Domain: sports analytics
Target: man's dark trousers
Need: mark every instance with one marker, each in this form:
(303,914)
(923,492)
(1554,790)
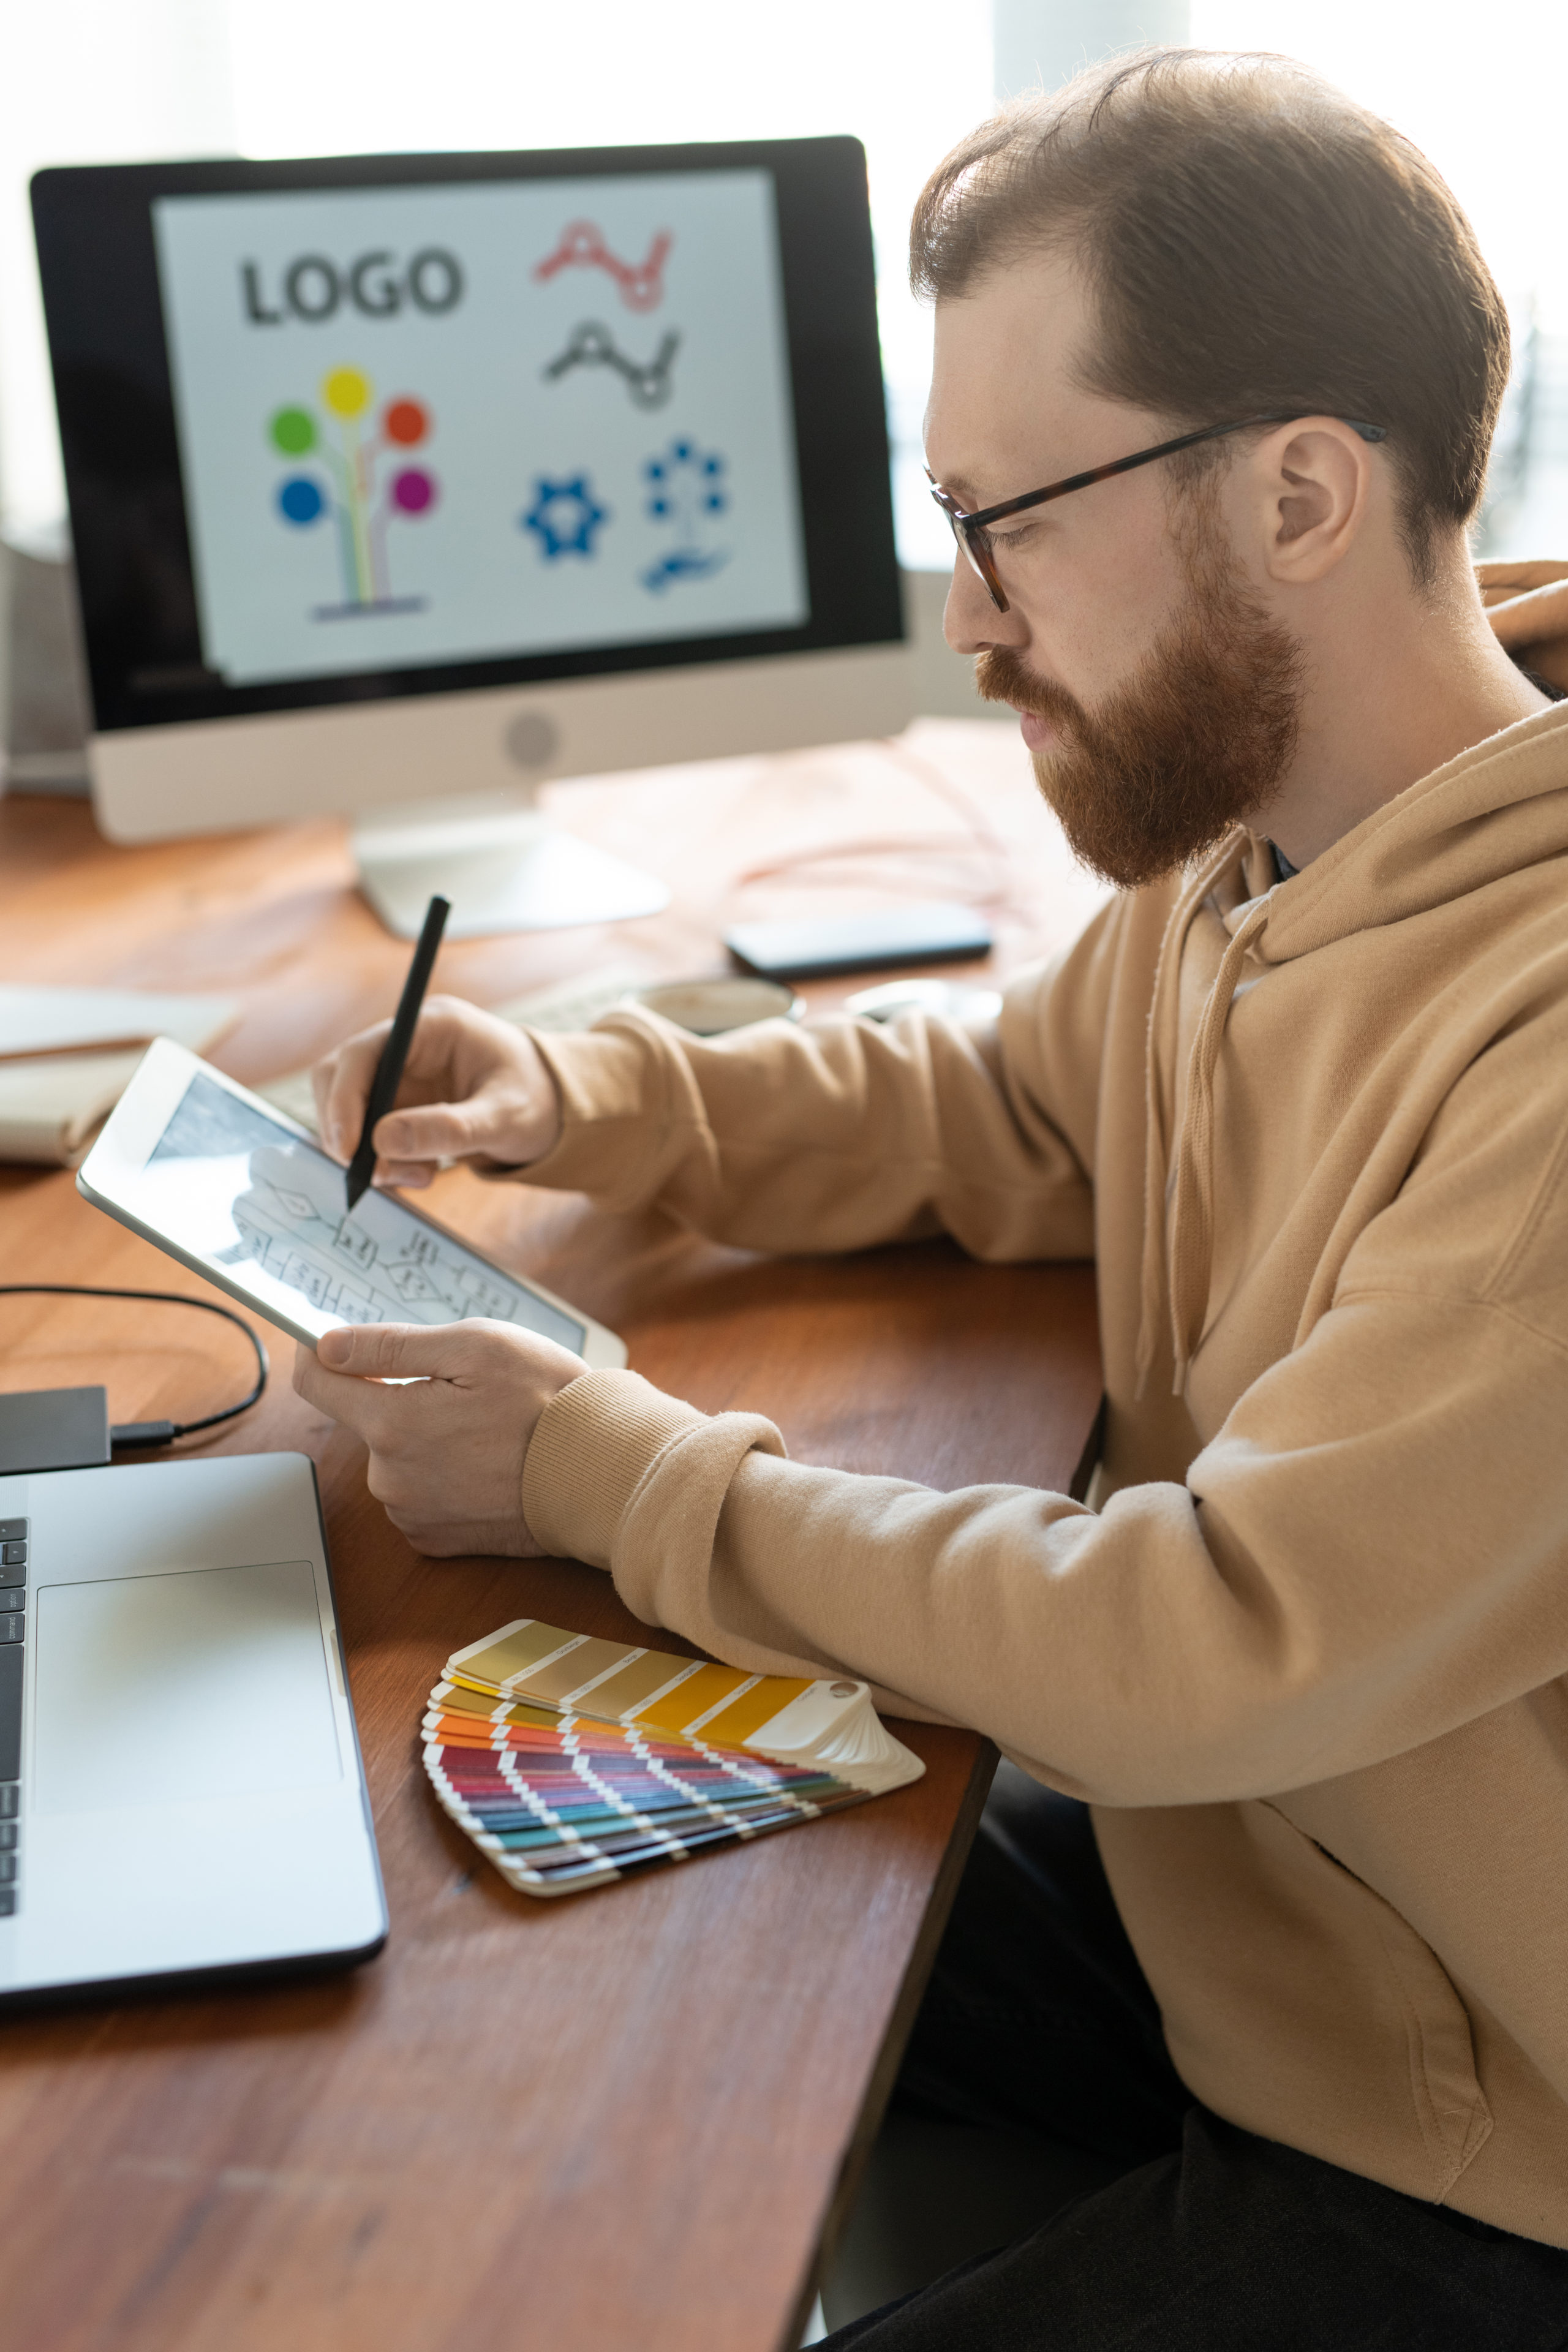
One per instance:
(1212,2240)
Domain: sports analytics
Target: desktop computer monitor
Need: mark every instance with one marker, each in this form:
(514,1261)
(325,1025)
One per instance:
(423,480)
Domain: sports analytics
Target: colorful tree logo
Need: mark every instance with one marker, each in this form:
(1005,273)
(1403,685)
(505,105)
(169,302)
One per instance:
(365,488)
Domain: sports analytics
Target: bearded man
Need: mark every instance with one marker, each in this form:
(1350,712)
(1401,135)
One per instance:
(1303,1089)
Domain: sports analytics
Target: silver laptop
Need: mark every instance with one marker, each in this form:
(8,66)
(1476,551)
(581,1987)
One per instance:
(181,1789)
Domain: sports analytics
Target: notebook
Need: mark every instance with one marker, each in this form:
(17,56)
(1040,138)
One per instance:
(54,1094)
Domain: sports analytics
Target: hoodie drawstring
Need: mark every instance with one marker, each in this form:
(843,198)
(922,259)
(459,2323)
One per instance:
(1167,966)
(1192,1218)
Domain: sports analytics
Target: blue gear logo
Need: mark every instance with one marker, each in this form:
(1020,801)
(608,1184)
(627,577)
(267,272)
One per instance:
(686,489)
(563,516)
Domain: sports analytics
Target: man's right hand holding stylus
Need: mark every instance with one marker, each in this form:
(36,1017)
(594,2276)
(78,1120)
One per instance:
(473,1089)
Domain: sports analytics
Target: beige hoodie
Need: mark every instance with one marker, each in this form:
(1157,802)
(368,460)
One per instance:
(1307,1660)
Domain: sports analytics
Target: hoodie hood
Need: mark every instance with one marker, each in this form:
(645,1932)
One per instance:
(1496,808)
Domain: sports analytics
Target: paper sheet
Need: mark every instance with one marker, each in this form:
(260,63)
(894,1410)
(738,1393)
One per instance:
(54,1020)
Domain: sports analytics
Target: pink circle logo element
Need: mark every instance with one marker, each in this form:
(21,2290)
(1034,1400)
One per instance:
(413,491)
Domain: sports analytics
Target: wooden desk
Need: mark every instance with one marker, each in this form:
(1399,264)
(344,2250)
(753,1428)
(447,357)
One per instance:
(622,2119)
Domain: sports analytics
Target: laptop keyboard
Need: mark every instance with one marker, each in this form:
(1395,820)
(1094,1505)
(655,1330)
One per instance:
(13,1630)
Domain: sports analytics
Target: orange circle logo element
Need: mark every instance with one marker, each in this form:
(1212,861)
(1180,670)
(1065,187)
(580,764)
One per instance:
(407,422)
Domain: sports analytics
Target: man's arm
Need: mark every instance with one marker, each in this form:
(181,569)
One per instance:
(1369,1552)
(831,1137)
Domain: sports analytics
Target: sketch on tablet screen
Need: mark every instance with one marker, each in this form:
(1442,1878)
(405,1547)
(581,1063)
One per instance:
(292,1222)
(288,1219)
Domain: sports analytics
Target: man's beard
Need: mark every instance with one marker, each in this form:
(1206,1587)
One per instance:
(1197,741)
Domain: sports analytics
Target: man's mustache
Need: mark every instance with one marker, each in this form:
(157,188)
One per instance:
(1001,675)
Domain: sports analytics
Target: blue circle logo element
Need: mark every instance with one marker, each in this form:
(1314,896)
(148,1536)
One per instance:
(299,500)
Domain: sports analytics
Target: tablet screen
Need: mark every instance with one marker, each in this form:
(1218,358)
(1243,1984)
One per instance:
(244,1193)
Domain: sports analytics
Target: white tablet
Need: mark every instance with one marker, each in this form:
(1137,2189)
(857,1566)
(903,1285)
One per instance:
(239,1194)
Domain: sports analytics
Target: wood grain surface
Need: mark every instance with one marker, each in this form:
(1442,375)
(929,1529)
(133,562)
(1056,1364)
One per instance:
(624,2118)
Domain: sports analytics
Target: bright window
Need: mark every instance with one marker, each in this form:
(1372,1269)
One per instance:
(89,79)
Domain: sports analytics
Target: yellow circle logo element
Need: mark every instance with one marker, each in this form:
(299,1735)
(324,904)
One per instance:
(346,392)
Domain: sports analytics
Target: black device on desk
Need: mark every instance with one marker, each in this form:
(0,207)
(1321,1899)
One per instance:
(867,942)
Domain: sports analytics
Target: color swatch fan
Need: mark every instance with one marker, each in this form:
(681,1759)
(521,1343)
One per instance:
(572,1761)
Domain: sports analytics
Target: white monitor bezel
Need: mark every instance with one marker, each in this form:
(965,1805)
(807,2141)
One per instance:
(216,775)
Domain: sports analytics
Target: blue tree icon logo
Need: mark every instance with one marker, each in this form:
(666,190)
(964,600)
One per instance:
(686,490)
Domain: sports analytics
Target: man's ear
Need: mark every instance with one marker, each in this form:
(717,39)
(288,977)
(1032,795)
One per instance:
(1312,484)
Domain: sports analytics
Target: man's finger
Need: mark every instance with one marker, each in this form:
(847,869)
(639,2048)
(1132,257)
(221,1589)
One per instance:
(404,1175)
(434,1131)
(341,1100)
(358,1405)
(396,1351)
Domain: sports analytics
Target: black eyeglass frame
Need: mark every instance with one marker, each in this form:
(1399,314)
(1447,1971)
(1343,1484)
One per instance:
(969,529)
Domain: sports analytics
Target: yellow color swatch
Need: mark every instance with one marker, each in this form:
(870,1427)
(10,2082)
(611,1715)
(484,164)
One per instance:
(624,1693)
(570,1673)
(704,1689)
(748,1714)
(512,1654)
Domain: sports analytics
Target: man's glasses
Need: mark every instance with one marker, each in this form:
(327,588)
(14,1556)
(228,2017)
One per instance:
(971,530)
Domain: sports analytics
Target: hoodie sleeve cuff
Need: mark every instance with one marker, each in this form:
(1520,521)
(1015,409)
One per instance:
(595,1442)
(602,1078)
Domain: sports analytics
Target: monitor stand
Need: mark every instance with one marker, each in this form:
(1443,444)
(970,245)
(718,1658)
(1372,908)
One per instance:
(502,864)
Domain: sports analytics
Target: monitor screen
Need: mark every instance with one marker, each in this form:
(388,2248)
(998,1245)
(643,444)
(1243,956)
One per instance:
(393,425)
(438,425)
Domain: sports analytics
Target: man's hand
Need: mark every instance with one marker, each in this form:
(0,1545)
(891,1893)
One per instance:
(473,1089)
(447,1450)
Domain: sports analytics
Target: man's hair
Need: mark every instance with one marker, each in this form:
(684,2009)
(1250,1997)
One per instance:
(1254,242)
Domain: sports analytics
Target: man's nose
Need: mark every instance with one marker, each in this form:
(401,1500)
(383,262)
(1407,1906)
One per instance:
(971,622)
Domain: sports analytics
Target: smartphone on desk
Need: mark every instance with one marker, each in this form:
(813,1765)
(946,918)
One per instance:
(872,941)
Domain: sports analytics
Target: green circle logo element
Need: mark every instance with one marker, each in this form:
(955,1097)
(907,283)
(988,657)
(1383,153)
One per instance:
(293,430)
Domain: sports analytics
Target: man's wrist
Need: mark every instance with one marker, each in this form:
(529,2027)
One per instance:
(534,1132)
(589,1451)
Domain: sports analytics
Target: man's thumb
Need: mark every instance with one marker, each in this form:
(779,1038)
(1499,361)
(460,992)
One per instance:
(392,1352)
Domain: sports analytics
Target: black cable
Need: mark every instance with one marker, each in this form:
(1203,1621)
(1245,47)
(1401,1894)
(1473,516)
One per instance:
(156,1433)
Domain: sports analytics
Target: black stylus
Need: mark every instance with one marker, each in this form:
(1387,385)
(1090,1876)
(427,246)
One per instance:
(394,1053)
